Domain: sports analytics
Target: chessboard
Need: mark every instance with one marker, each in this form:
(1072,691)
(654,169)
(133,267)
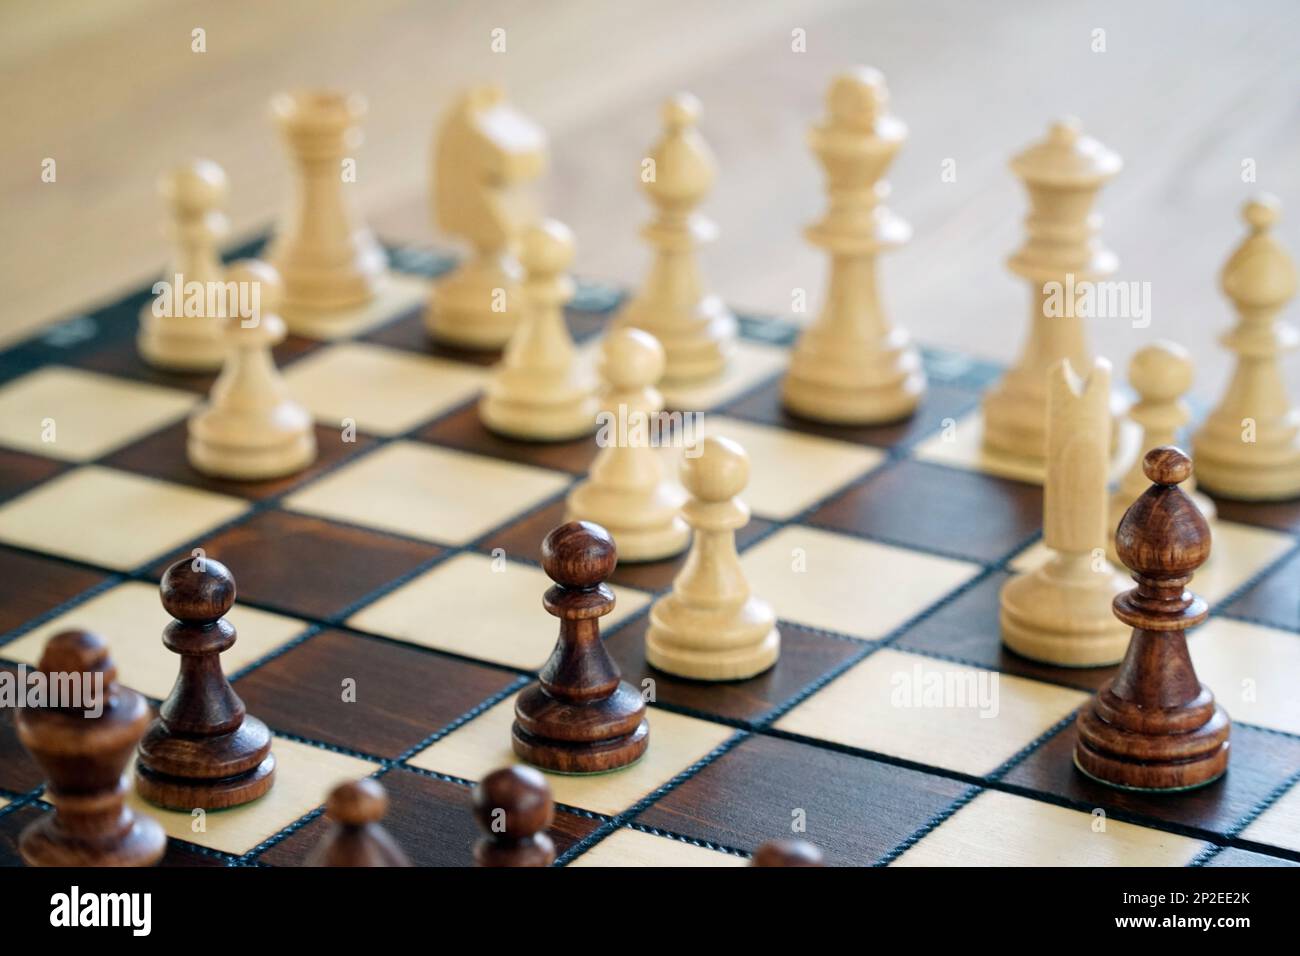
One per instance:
(404,565)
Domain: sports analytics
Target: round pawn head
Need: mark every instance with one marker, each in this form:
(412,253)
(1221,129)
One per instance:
(631,359)
(857,98)
(1164,533)
(546,248)
(579,555)
(1161,372)
(357,803)
(257,277)
(514,802)
(719,472)
(787,853)
(200,590)
(681,111)
(77,652)
(197,186)
(1262,212)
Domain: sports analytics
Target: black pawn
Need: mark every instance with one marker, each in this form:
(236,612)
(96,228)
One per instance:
(84,746)
(580,717)
(355,837)
(513,808)
(203,751)
(787,853)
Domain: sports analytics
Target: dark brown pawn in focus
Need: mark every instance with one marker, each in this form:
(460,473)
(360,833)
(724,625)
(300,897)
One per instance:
(1155,726)
(580,717)
(203,750)
(513,808)
(84,759)
(356,836)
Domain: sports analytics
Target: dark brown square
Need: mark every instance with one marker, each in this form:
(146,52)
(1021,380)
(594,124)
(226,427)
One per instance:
(805,657)
(432,822)
(968,629)
(1275,600)
(1279,515)
(945,510)
(523,540)
(18,771)
(403,694)
(1260,761)
(120,357)
(409,334)
(162,455)
(463,430)
(856,810)
(21,472)
(31,585)
(309,566)
(940,402)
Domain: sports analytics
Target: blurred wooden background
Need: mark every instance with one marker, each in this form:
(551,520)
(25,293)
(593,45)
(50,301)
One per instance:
(1185,91)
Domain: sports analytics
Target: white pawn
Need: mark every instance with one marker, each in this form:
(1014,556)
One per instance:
(1161,374)
(169,337)
(710,627)
(539,391)
(1249,446)
(627,492)
(696,330)
(250,428)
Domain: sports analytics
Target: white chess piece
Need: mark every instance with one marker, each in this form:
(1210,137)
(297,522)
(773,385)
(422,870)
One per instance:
(250,428)
(710,626)
(627,492)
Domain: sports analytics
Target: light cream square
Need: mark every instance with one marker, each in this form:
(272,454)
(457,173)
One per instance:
(111,518)
(304,776)
(1000,829)
(639,849)
(788,471)
(1250,668)
(130,618)
(399,293)
(849,585)
(384,391)
(73,415)
(932,711)
(1279,825)
(482,608)
(1238,553)
(428,492)
(483,744)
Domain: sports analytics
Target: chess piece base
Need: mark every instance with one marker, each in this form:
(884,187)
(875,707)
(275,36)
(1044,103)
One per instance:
(212,773)
(291,449)
(660,534)
(460,310)
(598,736)
(326,286)
(46,843)
(712,645)
(181,344)
(1165,762)
(544,423)
(1261,474)
(829,382)
(1057,615)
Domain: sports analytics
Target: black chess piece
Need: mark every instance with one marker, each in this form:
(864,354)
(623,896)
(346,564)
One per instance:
(787,852)
(580,717)
(84,746)
(1155,726)
(513,808)
(356,836)
(203,751)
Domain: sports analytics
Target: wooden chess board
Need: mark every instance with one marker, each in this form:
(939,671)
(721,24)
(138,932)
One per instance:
(406,562)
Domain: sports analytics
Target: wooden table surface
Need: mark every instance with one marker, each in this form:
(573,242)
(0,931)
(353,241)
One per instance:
(1185,91)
